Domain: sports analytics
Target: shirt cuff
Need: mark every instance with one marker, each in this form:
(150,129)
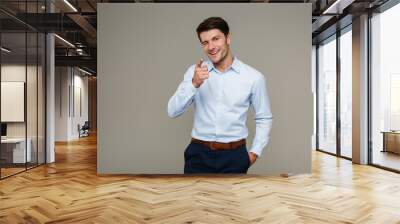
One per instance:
(190,87)
(255,152)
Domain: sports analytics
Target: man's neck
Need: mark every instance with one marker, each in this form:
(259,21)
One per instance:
(226,63)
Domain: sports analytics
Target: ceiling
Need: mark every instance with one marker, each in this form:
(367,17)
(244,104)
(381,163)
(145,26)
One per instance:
(76,22)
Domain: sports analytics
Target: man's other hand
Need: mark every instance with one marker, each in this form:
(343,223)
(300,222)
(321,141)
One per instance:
(253,158)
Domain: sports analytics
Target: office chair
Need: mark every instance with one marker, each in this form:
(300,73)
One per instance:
(84,130)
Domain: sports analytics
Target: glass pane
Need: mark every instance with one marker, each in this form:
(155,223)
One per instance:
(41,98)
(327,97)
(346,94)
(314,92)
(22,88)
(31,101)
(13,86)
(386,89)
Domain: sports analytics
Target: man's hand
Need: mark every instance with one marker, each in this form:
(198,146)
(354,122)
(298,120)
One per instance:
(200,74)
(253,158)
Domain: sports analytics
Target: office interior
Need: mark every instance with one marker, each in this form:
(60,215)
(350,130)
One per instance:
(46,83)
(49,85)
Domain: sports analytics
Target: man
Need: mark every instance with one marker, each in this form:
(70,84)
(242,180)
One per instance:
(222,90)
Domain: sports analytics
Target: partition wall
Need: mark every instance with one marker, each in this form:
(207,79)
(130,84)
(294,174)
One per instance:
(22,76)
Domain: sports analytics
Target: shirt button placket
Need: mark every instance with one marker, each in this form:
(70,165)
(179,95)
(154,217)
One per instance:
(219,102)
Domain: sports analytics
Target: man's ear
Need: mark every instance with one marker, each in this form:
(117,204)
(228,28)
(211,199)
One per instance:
(228,39)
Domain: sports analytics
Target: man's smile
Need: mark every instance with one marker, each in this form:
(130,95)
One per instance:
(213,53)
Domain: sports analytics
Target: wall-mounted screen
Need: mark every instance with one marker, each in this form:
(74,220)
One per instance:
(12,101)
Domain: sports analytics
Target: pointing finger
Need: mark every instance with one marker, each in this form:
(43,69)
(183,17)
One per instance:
(200,63)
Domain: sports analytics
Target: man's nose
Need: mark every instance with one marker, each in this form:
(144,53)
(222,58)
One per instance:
(211,47)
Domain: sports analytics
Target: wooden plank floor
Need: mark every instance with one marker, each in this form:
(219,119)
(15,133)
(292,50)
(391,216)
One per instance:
(69,191)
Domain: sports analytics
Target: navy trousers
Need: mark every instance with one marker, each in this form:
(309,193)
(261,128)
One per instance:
(200,159)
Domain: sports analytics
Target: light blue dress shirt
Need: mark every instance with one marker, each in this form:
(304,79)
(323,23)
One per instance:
(221,104)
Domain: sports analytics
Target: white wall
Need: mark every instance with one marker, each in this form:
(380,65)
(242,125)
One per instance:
(79,117)
(61,103)
(12,73)
(69,82)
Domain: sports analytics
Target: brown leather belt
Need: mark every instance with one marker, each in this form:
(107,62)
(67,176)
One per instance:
(221,145)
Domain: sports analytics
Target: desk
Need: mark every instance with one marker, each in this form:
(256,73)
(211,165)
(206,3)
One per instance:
(15,148)
(391,141)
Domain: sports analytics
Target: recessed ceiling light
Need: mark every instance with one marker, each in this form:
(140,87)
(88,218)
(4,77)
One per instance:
(337,7)
(84,71)
(64,40)
(5,50)
(70,5)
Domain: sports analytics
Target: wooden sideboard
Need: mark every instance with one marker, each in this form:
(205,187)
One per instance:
(391,141)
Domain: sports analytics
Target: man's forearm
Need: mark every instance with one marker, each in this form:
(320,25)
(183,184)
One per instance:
(261,138)
(181,100)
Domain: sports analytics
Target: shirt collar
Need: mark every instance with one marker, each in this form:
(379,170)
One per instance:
(235,65)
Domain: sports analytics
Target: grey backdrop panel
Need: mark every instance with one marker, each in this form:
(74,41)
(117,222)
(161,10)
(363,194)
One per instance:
(143,52)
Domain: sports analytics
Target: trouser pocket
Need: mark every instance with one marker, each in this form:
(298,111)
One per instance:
(246,156)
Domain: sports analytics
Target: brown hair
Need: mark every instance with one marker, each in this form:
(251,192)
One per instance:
(213,23)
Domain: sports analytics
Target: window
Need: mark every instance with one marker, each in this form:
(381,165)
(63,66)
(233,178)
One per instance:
(327,96)
(385,88)
(346,93)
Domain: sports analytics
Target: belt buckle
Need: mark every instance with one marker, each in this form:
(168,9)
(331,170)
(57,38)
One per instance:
(212,146)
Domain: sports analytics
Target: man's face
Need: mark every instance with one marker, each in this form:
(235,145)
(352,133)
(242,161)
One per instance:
(215,45)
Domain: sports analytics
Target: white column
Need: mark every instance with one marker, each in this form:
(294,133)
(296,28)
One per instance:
(50,92)
(50,100)
(360,90)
